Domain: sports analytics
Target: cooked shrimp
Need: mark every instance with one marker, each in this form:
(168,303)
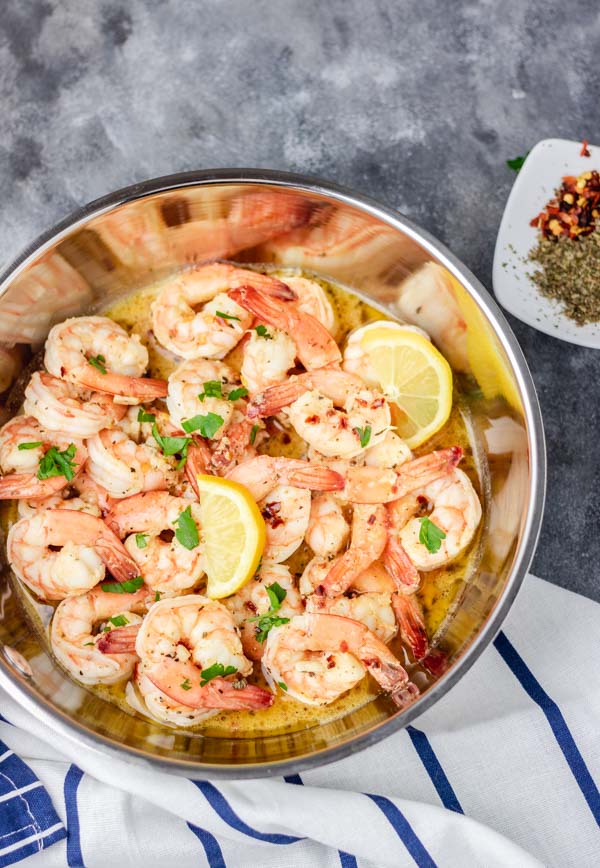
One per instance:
(148,700)
(315,347)
(183,637)
(327,530)
(94,352)
(23,444)
(268,356)
(81,494)
(382,485)
(368,601)
(192,333)
(369,536)
(286,511)
(236,445)
(166,564)
(391,451)
(127,459)
(456,511)
(356,361)
(312,299)
(252,601)
(260,475)
(318,657)
(75,640)
(312,399)
(199,387)
(59,406)
(87,546)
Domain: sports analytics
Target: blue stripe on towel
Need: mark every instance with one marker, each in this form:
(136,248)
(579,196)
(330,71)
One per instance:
(28,821)
(434,769)
(72,781)
(554,716)
(221,806)
(347,860)
(404,831)
(214,854)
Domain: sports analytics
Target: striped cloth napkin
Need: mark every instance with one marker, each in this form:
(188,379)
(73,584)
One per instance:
(501,772)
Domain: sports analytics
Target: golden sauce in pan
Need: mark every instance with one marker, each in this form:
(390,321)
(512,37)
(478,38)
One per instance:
(438,590)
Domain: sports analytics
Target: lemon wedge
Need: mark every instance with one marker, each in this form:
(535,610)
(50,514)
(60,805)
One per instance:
(414,377)
(233,533)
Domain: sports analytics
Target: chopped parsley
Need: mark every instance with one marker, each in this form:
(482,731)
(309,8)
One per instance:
(35,445)
(207,425)
(141,540)
(217,670)
(261,331)
(282,685)
(119,621)
(276,595)
(222,315)
(253,434)
(364,435)
(98,362)
(430,535)
(128,587)
(56,463)
(187,530)
(516,164)
(157,597)
(212,389)
(186,684)
(236,394)
(172,445)
(145,417)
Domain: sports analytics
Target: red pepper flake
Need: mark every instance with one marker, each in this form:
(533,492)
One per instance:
(312,420)
(271,512)
(372,519)
(343,645)
(330,661)
(585,151)
(574,210)
(251,606)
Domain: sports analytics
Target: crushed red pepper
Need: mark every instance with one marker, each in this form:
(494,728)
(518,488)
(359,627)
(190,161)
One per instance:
(575,210)
(585,151)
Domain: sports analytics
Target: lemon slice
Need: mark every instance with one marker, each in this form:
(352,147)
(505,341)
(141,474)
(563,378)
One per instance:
(414,376)
(233,533)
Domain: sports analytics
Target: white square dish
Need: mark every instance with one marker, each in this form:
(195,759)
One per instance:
(534,186)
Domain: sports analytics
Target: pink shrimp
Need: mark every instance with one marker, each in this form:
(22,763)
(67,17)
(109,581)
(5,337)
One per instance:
(315,346)
(261,474)
(368,540)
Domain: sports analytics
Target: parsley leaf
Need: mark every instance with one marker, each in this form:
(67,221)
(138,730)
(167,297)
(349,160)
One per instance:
(55,463)
(212,389)
(172,445)
(141,540)
(364,434)
(119,621)
(253,434)
(145,417)
(157,597)
(282,685)
(235,394)
(276,595)
(186,684)
(128,587)
(217,670)
(207,425)
(430,535)
(262,332)
(516,164)
(187,530)
(222,315)
(35,445)
(98,362)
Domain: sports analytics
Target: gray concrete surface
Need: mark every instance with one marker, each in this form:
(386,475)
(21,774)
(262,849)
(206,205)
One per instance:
(417,103)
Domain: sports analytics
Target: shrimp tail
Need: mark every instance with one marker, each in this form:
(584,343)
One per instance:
(198,463)
(142,388)
(400,567)
(406,695)
(121,640)
(412,625)
(274,399)
(181,683)
(18,486)
(315,477)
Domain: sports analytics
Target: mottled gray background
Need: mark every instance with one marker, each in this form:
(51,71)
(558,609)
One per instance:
(418,103)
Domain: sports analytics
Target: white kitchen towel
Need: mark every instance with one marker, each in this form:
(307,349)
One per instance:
(502,771)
